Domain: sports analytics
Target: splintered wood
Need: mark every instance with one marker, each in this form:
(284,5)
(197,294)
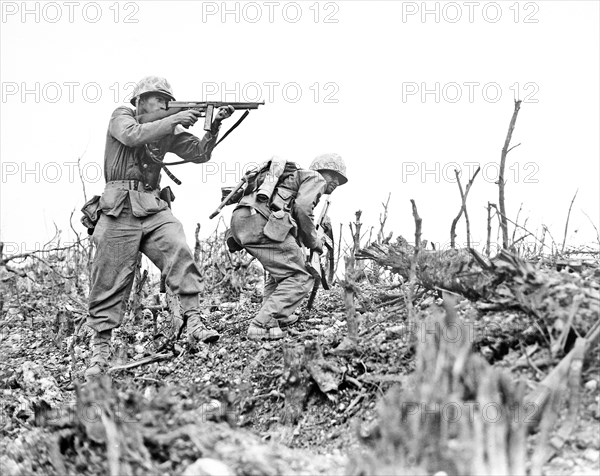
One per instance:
(547,294)
(456,414)
(454,270)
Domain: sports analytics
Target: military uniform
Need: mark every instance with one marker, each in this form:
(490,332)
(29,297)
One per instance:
(134,218)
(131,216)
(278,247)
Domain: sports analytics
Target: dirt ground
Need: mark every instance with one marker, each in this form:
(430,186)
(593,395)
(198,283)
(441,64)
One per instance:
(236,385)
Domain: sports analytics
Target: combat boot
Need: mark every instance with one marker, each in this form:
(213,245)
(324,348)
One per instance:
(197,331)
(259,330)
(100,354)
(285,322)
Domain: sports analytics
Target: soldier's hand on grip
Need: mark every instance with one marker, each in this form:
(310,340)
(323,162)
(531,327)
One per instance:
(187,118)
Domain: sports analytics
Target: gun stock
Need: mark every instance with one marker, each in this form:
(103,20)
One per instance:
(235,190)
(241,185)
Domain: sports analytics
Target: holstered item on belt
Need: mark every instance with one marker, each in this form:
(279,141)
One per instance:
(167,195)
(91,213)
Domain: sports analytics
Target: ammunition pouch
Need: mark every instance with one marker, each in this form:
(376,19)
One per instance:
(247,226)
(144,204)
(279,225)
(282,199)
(91,213)
(250,227)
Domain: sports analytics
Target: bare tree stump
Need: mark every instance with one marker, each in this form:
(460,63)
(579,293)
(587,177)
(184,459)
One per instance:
(174,306)
(64,325)
(350,342)
(295,386)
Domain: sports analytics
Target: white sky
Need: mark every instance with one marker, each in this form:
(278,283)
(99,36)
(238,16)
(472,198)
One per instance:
(369,61)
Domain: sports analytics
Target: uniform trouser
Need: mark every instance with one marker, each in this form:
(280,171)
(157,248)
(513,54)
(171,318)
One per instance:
(289,282)
(118,240)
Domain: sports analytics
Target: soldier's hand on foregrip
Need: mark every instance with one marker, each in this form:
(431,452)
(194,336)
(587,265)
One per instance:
(187,118)
(326,224)
(224,112)
(321,239)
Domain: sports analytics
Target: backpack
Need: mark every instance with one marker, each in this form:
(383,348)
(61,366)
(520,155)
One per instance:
(255,181)
(252,182)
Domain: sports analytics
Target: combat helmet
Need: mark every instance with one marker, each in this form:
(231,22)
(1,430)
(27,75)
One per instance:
(152,84)
(332,162)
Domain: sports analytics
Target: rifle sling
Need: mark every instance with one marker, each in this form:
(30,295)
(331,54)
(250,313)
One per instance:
(179,162)
(170,175)
(232,128)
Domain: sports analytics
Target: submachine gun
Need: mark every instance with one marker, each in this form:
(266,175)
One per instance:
(206,109)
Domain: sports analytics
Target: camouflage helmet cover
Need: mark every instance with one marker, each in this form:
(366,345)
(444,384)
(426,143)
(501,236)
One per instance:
(152,84)
(332,162)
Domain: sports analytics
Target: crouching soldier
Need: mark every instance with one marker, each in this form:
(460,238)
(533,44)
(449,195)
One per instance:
(134,217)
(274,230)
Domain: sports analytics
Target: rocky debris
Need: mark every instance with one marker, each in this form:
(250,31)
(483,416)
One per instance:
(208,467)
(233,391)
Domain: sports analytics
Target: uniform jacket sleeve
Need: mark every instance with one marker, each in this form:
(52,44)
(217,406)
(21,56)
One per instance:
(189,147)
(124,127)
(312,186)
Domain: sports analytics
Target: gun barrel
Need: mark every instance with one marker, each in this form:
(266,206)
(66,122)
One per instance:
(324,211)
(205,104)
(205,107)
(243,105)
